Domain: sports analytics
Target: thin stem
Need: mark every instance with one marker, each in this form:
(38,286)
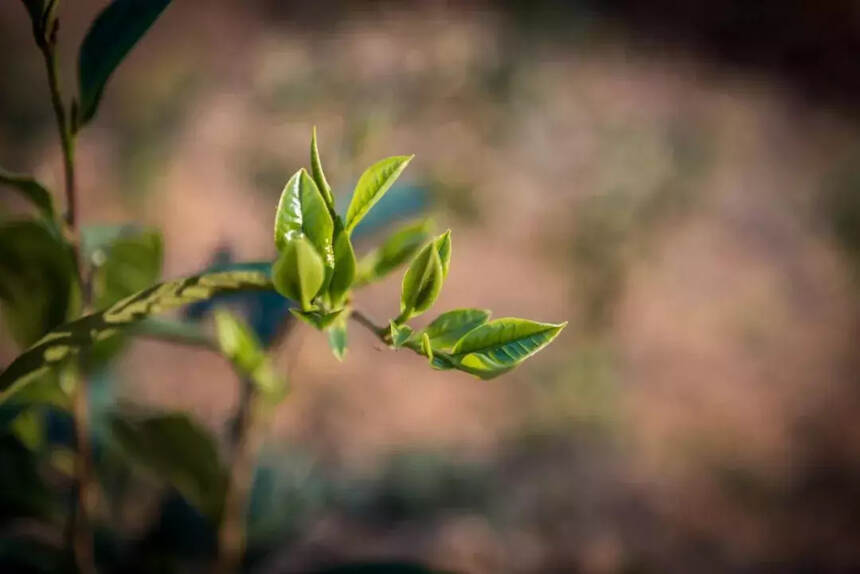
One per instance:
(366,321)
(80,528)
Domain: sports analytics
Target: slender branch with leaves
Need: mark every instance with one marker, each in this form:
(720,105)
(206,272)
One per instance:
(73,294)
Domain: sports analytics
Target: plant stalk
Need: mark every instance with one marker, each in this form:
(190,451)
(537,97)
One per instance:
(80,535)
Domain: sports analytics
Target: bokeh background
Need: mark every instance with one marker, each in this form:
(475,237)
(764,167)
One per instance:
(679,181)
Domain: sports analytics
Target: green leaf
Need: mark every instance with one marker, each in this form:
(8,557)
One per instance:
(421,283)
(372,185)
(443,246)
(400,334)
(318,175)
(397,249)
(71,338)
(337,337)
(500,345)
(318,319)
(173,448)
(239,344)
(127,265)
(427,347)
(299,272)
(111,37)
(37,282)
(302,211)
(451,326)
(32,190)
(344,268)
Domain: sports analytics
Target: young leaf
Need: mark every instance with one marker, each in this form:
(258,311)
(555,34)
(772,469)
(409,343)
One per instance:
(337,338)
(112,35)
(399,334)
(173,448)
(318,175)
(372,185)
(69,339)
(397,249)
(344,268)
(451,326)
(298,274)
(426,347)
(31,189)
(421,283)
(500,345)
(317,319)
(443,246)
(243,349)
(303,211)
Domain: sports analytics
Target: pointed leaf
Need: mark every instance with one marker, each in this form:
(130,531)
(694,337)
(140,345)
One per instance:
(31,189)
(318,175)
(500,345)
(443,246)
(344,268)
(399,334)
(337,338)
(397,249)
(421,283)
(426,347)
(451,326)
(318,319)
(303,211)
(372,185)
(298,274)
(112,35)
(69,339)
(239,344)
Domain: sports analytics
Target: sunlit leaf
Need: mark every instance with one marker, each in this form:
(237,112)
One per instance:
(175,449)
(318,175)
(427,347)
(32,190)
(299,272)
(302,211)
(500,345)
(372,185)
(344,268)
(69,339)
(239,344)
(451,326)
(36,280)
(112,35)
(421,283)
(396,250)
(443,246)
(399,334)
(337,337)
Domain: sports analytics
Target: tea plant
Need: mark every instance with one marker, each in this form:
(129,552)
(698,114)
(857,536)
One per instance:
(72,295)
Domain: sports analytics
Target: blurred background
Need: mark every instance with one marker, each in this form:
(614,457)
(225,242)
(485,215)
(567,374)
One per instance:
(680,181)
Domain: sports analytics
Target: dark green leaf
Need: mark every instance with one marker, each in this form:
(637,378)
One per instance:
(421,283)
(67,340)
(302,211)
(32,190)
(36,280)
(500,345)
(112,35)
(173,448)
(451,326)
(344,268)
(130,263)
(299,272)
(319,176)
(397,249)
(372,185)
(318,319)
